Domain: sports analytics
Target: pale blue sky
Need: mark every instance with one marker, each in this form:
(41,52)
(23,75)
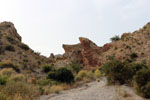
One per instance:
(47,24)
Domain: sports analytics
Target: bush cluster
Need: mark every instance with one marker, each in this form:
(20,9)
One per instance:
(120,72)
(47,68)
(135,74)
(142,82)
(11,40)
(115,38)
(62,75)
(85,75)
(75,67)
(24,46)
(9,64)
(14,87)
(133,55)
(9,48)
(97,74)
(3,80)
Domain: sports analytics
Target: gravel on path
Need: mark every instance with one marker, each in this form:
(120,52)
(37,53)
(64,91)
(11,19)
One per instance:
(95,91)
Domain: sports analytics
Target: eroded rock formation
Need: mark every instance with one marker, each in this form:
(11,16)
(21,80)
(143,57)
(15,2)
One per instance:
(86,52)
(73,53)
(9,28)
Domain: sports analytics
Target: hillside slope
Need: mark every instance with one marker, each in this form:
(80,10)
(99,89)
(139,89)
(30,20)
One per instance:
(132,47)
(13,51)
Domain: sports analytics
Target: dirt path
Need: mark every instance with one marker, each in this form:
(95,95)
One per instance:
(95,91)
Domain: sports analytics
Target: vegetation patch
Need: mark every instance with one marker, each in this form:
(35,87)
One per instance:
(9,64)
(24,46)
(142,83)
(75,67)
(62,75)
(9,48)
(47,68)
(11,40)
(84,75)
(121,72)
(133,55)
(115,38)
(3,80)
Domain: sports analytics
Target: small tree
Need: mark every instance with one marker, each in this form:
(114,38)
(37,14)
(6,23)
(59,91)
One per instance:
(115,38)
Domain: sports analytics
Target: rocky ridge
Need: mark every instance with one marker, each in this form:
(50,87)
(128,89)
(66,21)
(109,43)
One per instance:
(92,56)
(86,52)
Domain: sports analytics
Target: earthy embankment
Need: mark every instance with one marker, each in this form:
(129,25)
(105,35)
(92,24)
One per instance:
(95,91)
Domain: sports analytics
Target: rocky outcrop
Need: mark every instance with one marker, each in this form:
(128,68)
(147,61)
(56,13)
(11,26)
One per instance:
(9,29)
(125,35)
(90,52)
(16,54)
(106,47)
(73,53)
(86,52)
(52,57)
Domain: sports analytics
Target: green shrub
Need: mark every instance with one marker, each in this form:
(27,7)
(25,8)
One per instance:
(3,80)
(11,40)
(24,46)
(7,72)
(9,64)
(62,75)
(76,67)
(142,83)
(84,75)
(97,74)
(43,82)
(9,48)
(23,89)
(90,75)
(133,55)
(120,72)
(47,68)
(113,71)
(115,38)
(18,77)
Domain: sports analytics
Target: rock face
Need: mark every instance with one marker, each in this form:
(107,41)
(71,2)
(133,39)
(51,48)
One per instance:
(90,52)
(73,53)
(92,56)
(9,28)
(86,52)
